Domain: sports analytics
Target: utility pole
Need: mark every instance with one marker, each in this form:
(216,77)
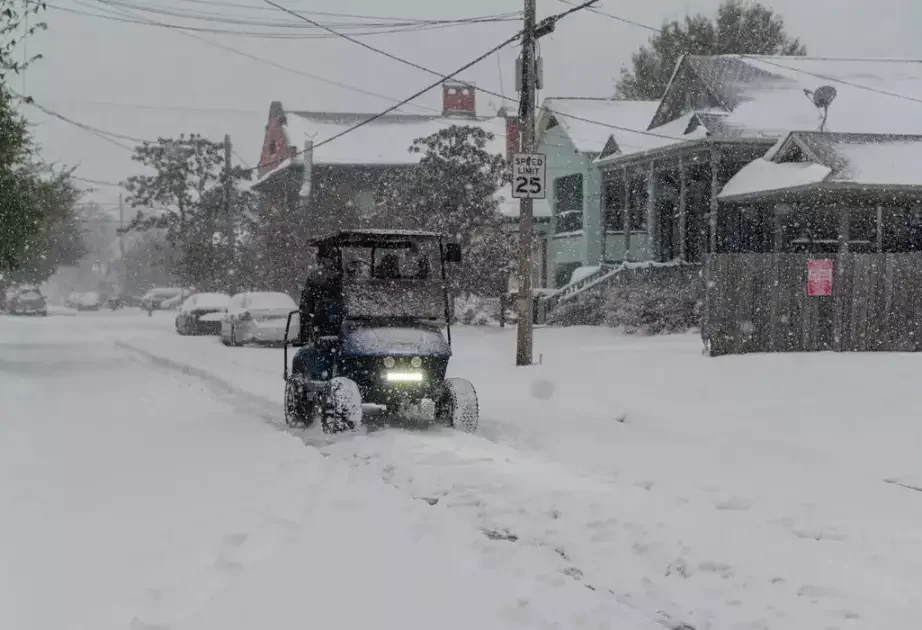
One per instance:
(525,328)
(121,239)
(229,217)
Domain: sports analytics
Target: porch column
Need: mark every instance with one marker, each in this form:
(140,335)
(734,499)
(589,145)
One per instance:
(683,229)
(653,233)
(715,190)
(625,199)
(778,228)
(880,229)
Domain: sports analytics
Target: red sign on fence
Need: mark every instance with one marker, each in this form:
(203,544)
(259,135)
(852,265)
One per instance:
(819,277)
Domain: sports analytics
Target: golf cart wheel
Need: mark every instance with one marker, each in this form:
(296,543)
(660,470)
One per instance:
(342,406)
(457,406)
(299,412)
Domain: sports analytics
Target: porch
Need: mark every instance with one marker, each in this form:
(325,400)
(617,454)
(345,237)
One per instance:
(663,205)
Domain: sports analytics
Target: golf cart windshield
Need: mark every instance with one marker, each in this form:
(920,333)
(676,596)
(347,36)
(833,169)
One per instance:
(393,280)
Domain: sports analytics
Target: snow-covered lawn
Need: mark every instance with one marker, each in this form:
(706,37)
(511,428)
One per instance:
(623,483)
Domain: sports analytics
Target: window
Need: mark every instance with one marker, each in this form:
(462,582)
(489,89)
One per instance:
(637,202)
(568,203)
(613,205)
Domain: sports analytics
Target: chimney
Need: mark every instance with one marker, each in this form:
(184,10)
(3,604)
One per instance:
(458,99)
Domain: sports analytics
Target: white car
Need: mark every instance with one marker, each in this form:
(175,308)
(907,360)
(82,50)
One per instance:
(89,301)
(191,319)
(257,317)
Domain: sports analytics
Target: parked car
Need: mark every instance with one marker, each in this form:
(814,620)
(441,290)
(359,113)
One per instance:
(155,298)
(89,301)
(27,300)
(189,319)
(256,317)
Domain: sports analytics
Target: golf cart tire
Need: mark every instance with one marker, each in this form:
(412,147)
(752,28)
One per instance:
(342,409)
(457,405)
(299,411)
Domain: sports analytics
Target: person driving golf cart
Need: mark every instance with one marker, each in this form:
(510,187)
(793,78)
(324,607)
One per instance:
(321,308)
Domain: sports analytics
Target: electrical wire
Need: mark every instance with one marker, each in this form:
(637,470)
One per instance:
(252,7)
(497,94)
(274,64)
(413,96)
(763,59)
(614,17)
(375,29)
(102,134)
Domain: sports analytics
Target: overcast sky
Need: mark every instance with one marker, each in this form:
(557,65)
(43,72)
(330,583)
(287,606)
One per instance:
(147,81)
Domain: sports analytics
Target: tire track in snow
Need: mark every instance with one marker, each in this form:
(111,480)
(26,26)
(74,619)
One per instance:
(542,518)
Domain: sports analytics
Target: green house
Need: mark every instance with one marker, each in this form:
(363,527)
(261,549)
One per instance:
(573,132)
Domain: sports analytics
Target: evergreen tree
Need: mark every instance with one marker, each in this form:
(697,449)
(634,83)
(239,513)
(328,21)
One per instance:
(739,28)
(187,188)
(452,192)
(37,203)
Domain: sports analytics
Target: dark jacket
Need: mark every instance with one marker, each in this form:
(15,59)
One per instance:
(321,309)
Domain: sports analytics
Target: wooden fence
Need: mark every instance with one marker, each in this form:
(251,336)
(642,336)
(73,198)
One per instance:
(760,303)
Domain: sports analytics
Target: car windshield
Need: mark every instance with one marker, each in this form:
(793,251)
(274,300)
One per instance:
(416,260)
(270,301)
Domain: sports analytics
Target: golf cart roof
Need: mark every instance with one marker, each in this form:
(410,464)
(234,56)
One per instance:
(372,238)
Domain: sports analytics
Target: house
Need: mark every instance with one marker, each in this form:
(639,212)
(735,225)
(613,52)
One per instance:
(717,120)
(328,164)
(827,192)
(572,132)
(324,167)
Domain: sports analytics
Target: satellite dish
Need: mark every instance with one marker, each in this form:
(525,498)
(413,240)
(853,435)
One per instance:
(824,96)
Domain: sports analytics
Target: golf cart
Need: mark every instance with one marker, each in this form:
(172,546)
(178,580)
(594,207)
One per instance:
(385,345)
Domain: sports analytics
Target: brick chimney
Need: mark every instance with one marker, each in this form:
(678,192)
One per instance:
(459,99)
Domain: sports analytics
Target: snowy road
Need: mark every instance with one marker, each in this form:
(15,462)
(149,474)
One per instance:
(625,483)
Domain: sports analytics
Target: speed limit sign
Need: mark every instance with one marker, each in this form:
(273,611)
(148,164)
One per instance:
(529,171)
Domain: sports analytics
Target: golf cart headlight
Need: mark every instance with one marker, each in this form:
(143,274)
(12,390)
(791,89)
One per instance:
(404,377)
(389,362)
(416,362)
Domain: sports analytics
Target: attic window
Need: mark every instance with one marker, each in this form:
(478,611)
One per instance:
(792,155)
(552,123)
(273,147)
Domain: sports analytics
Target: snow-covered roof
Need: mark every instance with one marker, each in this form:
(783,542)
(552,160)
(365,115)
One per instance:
(830,159)
(761,96)
(574,114)
(764,95)
(678,131)
(384,141)
(509,206)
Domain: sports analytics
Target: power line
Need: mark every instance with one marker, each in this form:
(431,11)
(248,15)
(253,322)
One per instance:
(828,78)
(550,20)
(387,111)
(762,59)
(102,134)
(274,64)
(374,29)
(497,94)
(615,17)
(516,14)
(98,182)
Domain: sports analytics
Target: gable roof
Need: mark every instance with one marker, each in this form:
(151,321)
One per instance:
(763,95)
(805,159)
(591,137)
(384,141)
